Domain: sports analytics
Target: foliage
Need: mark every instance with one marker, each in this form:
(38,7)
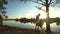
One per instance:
(43,3)
(2,8)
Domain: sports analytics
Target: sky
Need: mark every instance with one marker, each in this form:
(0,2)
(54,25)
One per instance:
(16,9)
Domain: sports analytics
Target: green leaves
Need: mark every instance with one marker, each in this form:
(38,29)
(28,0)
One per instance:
(4,1)
(2,7)
(3,13)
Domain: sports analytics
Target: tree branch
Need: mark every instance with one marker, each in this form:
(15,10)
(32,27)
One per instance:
(42,1)
(50,2)
(38,3)
(40,8)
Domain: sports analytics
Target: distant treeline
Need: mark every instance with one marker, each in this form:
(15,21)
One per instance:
(34,20)
(25,20)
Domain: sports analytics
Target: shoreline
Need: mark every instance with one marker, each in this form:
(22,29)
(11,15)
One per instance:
(9,30)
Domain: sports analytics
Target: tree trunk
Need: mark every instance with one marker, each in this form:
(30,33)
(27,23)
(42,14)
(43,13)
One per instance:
(47,18)
(1,20)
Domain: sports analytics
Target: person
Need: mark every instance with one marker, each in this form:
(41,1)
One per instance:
(37,17)
(36,26)
(1,20)
(39,22)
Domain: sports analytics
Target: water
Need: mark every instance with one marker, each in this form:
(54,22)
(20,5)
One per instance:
(54,27)
(18,24)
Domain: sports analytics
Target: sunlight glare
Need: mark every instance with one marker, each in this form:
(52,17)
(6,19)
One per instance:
(43,14)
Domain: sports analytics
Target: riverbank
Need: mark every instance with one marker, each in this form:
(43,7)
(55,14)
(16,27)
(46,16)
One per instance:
(15,30)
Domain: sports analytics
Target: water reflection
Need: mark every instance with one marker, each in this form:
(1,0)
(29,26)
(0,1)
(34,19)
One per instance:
(18,24)
(54,27)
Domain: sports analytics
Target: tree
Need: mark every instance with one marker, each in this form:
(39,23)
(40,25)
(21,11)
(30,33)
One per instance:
(2,9)
(47,4)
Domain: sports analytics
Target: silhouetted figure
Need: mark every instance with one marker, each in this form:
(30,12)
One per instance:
(37,17)
(1,20)
(39,22)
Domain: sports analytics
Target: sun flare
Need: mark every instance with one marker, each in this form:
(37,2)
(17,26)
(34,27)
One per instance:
(34,14)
